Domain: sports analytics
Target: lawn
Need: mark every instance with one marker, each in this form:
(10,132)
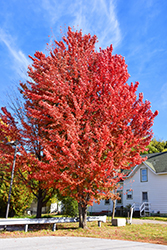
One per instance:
(153,233)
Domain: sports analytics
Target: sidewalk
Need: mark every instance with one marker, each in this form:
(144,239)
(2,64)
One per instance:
(73,243)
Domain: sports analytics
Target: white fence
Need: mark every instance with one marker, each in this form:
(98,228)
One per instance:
(27,221)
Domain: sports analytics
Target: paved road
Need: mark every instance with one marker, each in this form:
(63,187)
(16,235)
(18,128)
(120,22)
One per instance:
(73,243)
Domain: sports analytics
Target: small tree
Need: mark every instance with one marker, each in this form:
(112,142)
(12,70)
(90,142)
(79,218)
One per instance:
(94,124)
(156,146)
(30,154)
(21,196)
(69,206)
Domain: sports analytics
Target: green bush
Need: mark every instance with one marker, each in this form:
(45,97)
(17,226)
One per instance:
(21,196)
(69,206)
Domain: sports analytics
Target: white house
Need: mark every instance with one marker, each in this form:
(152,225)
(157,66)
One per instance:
(144,188)
(54,207)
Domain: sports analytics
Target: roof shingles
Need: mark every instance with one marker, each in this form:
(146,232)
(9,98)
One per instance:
(158,162)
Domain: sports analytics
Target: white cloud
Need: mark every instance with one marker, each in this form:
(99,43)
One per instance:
(53,10)
(98,17)
(92,16)
(111,33)
(163,96)
(19,61)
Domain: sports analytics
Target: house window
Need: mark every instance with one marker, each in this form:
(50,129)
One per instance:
(120,195)
(144,196)
(107,202)
(144,174)
(129,194)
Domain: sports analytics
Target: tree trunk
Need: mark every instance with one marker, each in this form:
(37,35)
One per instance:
(42,201)
(82,215)
(39,209)
(39,205)
(113,210)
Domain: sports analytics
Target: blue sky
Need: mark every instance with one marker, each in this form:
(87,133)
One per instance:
(136,28)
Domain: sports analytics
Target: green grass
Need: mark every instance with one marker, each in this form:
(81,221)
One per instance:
(153,233)
(43,216)
(155,218)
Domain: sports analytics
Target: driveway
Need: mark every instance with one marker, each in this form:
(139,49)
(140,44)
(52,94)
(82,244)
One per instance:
(73,243)
(140,221)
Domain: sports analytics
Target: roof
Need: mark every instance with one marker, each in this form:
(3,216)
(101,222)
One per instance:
(156,161)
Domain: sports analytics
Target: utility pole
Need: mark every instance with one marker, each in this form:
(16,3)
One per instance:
(13,143)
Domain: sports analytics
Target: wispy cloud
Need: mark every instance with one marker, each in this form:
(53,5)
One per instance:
(100,18)
(19,61)
(162,100)
(96,17)
(54,10)
(110,31)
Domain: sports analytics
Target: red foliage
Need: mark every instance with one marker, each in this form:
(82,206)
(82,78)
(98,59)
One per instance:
(94,125)
(89,123)
(29,159)
(9,132)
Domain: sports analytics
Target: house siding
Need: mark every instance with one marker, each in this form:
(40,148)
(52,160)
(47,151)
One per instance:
(156,187)
(97,208)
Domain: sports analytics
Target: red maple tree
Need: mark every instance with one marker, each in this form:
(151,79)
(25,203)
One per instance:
(93,122)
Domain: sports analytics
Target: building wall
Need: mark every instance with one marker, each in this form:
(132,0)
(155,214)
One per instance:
(55,207)
(96,208)
(156,188)
(106,207)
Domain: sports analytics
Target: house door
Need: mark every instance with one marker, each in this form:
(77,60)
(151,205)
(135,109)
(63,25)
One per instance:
(145,196)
